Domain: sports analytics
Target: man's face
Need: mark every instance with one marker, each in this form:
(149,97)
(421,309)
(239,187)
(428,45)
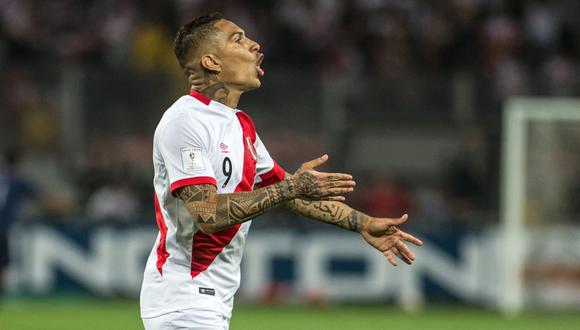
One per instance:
(239,55)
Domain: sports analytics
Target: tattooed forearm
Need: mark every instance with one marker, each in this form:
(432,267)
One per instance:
(237,208)
(200,201)
(336,213)
(198,193)
(214,212)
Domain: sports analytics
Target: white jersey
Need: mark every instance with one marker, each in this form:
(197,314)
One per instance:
(200,141)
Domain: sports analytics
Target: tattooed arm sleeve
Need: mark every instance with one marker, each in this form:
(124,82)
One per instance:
(214,212)
(332,212)
(335,213)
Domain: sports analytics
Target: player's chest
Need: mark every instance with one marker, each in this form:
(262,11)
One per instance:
(234,157)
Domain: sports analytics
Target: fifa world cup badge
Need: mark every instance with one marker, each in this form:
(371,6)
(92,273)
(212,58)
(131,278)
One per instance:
(191,159)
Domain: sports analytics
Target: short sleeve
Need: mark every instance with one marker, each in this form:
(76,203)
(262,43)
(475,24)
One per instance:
(267,170)
(183,144)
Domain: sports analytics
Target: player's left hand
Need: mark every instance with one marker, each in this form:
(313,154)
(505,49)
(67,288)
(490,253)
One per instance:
(382,234)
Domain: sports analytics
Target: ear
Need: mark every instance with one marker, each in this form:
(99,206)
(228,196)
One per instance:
(211,63)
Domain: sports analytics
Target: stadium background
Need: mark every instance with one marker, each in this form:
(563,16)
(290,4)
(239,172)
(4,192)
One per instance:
(405,95)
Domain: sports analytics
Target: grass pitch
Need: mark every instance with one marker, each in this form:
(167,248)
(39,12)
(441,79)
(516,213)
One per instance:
(89,314)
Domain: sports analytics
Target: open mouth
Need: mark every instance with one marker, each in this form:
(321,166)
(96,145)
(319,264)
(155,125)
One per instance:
(258,67)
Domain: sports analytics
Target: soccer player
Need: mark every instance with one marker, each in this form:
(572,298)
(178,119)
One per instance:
(213,175)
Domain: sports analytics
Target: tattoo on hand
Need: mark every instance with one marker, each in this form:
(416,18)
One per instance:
(308,185)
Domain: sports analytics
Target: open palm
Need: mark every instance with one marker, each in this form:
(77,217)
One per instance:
(383,235)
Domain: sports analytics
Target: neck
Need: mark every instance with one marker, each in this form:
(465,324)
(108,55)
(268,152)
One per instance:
(218,91)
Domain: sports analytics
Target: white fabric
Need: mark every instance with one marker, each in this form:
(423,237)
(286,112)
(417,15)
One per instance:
(188,319)
(265,162)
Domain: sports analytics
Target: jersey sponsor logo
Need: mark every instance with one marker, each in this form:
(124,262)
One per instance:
(191,159)
(207,291)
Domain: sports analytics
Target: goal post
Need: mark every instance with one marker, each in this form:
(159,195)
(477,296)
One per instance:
(521,113)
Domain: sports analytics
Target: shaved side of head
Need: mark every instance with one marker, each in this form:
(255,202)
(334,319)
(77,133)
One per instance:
(193,36)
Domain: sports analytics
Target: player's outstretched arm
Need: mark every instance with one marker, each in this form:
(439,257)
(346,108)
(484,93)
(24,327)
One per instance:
(214,212)
(380,233)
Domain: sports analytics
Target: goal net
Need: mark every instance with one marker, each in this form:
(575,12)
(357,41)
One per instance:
(540,204)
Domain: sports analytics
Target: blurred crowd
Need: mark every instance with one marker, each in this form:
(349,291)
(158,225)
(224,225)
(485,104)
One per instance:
(507,47)
(511,41)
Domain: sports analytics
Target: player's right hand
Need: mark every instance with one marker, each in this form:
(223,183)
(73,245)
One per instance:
(383,235)
(316,185)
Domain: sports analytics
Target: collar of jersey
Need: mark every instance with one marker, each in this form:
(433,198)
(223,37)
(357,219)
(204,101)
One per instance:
(206,100)
(200,97)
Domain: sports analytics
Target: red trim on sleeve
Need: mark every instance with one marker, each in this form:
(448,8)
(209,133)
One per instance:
(276,174)
(192,181)
(206,247)
(162,253)
(200,97)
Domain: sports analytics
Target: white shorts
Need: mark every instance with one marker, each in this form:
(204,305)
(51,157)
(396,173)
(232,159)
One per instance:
(188,319)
